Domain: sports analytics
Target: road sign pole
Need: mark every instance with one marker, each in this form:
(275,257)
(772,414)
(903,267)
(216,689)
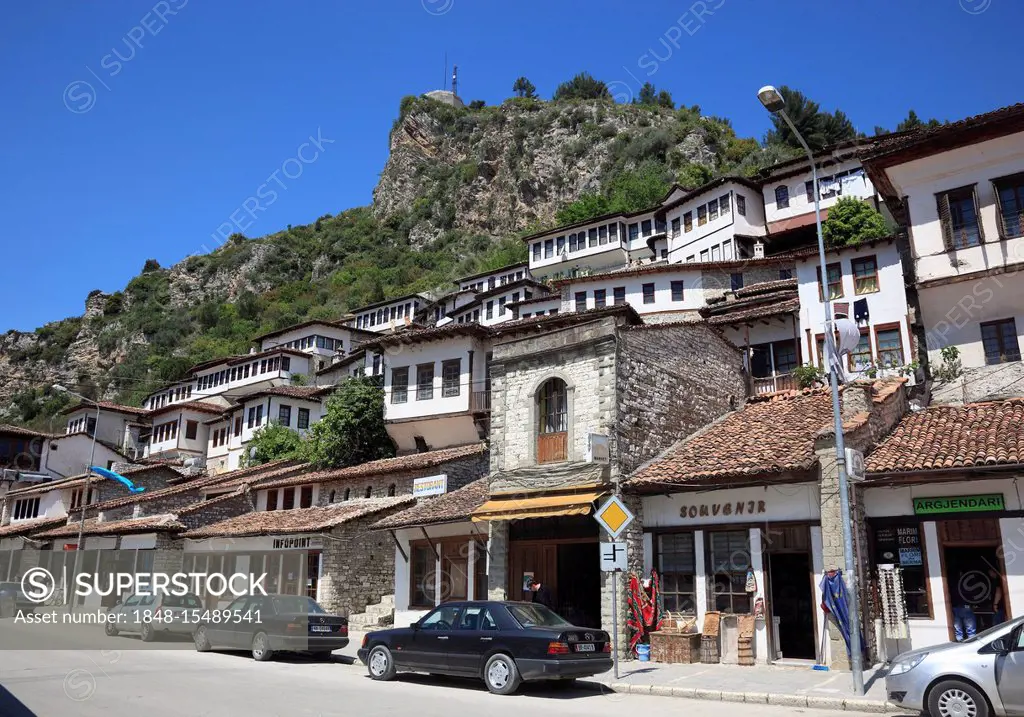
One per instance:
(615,624)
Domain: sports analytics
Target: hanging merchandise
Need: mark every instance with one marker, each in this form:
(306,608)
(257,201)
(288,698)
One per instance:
(759,608)
(646,608)
(894,603)
(834,602)
(751,582)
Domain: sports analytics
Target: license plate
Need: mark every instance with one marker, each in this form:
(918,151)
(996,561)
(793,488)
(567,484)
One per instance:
(327,628)
(585,647)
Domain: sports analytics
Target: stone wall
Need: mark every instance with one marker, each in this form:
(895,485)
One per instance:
(718,282)
(215,511)
(358,566)
(672,380)
(584,357)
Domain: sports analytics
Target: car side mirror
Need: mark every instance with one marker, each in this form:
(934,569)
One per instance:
(999,646)
(415,625)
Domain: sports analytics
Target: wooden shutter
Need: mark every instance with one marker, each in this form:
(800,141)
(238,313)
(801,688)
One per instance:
(945,219)
(977,214)
(999,210)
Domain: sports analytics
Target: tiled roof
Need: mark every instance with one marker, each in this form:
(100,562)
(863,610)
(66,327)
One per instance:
(301,520)
(229,479)
(245,358)
(201,505)
(149,524)
(199,406)
(106,406)
(308,393)
(303,325)
(428,334)
(766,438)
(767,287)
(29,526)
(77,480)
(952,437)
(946,135)
(736,312)
(448,508)
(19,431)
(384,466)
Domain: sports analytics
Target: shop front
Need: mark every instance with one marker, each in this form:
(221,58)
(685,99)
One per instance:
(743,551)
(946,558)
(291,563)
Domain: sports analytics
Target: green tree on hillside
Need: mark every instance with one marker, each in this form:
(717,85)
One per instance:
(852,221)
(914,122)
(150,266)
(582,87)
(524,88)
(649,95)
(270,443)
(352,430)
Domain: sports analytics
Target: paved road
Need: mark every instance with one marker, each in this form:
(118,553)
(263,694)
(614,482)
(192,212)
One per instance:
(172,683)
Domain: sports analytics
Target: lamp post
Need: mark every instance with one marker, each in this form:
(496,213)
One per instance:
(88,481)
(774,103)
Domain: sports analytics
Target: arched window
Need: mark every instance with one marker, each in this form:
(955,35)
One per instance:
(391,490)
(348,493)
(369,491)
(552,421)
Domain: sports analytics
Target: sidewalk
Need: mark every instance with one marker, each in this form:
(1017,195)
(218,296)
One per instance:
(764,684)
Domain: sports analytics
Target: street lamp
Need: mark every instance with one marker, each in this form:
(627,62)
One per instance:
(88,480)
(773,101)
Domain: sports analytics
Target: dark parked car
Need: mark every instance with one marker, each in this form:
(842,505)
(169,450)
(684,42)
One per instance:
(12,599)
(267,624)
(502,643)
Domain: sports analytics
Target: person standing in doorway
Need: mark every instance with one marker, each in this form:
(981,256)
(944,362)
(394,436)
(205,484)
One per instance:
(965,624)
(542,595)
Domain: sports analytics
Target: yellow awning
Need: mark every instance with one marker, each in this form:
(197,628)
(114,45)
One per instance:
(518,507)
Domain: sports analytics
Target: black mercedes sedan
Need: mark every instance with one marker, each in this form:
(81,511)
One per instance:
(503,643)
(268,624)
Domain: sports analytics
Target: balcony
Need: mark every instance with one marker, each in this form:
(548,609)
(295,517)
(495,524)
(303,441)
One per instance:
(480,401)
(771,384)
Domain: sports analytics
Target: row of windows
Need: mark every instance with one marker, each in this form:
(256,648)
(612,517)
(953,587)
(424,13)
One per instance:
(321,342)
(86,423)
(578,241)
(494,282)
(368,493)
(180,393)
(727,557)
(887,351)
(255,416)
(619,295)
(219,437)
(718,252)
(959,212)
(240,373)
(76,497)
(536,314)
(451,381)
(385,314)
(865,278)
(707,213)
(164,432)
(284,498)
(25,509)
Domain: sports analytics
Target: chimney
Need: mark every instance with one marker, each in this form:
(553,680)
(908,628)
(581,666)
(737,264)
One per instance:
(759,249)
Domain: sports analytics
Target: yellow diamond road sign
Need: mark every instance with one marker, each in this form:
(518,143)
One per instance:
(614,517)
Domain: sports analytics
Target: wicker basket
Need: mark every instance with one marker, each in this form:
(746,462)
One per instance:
(676,648)
(710,651)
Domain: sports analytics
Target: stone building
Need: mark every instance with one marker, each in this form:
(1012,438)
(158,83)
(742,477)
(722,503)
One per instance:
(578,402)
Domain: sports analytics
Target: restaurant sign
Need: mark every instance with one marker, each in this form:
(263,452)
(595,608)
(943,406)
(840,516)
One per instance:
(959,504)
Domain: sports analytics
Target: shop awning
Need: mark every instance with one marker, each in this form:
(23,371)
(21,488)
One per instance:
(518,507)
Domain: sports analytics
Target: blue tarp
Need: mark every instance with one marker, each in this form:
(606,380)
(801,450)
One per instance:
(834,600)
(118,477)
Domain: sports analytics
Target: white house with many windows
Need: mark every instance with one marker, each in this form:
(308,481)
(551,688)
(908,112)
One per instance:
(865,283)
(720,221)
(436,386)
(959,189)
(325,340)
(388,315)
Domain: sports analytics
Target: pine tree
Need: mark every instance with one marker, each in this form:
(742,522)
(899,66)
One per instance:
(524,88)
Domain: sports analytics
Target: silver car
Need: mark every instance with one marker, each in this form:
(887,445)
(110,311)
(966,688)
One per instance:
(979,677)
(150,615)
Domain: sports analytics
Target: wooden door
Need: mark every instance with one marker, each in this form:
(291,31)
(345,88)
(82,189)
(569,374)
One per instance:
(552,447)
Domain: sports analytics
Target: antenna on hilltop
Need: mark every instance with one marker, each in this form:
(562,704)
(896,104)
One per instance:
(445,76)
(455,80)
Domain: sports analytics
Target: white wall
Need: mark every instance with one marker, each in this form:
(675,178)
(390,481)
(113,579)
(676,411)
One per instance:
(716,231)
(457,347)
(613,252)
(500,276)
(72,453)
(920,179)
(334,332)
(403,615)
(298,365)
(542,308)
(781,503)
(886,306)
(405,308)
(479,311)
(693,294)
(952,313)
(899,500)
(110,426)
(861,187)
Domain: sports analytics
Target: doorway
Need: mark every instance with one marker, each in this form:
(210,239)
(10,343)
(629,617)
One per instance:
(579,584)
(793,604)
(974,577)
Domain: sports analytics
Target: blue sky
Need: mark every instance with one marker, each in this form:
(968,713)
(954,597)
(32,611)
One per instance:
(203,102)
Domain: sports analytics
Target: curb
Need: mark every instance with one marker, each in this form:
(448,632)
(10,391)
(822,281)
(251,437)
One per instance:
(850,704)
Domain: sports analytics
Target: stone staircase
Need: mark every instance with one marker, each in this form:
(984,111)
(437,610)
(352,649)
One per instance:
(371,618)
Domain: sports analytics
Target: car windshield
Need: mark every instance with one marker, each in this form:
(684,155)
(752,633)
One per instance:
(993,630)
(536,616)
(296,604)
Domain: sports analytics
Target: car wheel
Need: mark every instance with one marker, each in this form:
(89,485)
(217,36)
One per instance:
(110,629)
(501,675)
(148,634)
(380,664)
(954,698)
(261,651)
(201,640)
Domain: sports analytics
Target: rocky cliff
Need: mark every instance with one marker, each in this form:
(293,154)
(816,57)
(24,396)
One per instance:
(459,184)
